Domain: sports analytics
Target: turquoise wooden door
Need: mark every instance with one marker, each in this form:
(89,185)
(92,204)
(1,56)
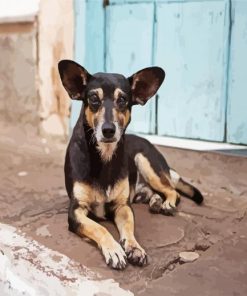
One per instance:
(202,47)
(237,96)
(89,42)
(192,40)
(129,48)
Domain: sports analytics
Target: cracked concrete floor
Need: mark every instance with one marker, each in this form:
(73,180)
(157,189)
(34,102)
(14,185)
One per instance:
(33,200)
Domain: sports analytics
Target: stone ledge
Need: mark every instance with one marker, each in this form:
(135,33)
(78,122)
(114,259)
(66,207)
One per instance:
(55,274)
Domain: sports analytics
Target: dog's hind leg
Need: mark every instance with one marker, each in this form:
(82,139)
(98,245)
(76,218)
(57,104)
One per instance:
(143,192)
(160,183)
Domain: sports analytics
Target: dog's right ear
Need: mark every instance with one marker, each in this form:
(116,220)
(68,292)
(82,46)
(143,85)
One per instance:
(74,78)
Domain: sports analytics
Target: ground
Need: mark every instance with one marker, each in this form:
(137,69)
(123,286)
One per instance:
(33,201)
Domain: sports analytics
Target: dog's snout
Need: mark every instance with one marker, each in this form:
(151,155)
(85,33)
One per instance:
(108,130)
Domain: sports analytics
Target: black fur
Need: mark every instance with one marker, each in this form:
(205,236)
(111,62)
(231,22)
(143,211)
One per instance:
(83,162)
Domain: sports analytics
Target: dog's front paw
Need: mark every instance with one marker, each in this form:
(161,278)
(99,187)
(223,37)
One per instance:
(114,254)
(135,253)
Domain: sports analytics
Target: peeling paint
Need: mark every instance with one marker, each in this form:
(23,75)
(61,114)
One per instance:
(29,268)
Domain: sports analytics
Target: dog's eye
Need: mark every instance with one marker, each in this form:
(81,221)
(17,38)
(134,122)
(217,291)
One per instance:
(121,101)
(94,101)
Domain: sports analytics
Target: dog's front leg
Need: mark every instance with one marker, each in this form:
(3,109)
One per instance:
(84,226)
(124,220)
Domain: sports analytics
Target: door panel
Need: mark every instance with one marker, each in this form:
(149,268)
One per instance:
(237,96)
(89,42)
(129,41)
(192,48)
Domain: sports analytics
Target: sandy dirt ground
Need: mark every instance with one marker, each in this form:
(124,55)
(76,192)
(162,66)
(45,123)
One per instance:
(34,201)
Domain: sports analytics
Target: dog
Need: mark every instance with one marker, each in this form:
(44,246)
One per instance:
(106,170)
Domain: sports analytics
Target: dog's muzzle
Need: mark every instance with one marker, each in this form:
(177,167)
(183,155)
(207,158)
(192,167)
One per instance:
(108,132)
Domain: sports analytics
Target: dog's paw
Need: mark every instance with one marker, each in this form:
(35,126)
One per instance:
(114,254)
(155,203)
(168,207)
(135,253)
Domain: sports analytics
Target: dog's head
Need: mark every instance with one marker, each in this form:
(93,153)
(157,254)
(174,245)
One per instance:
(108,98)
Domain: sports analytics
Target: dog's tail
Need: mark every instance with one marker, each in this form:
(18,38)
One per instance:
(185,188)
(189,191)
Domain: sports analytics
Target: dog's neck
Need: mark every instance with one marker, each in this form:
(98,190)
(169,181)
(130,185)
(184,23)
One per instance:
(107,150)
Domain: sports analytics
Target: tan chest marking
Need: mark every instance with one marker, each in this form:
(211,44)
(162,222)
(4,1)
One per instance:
(120,192)
(94,199)
(106,150)
(86,194)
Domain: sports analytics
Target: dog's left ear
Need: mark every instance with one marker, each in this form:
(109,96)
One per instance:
(145,83)
(74,78)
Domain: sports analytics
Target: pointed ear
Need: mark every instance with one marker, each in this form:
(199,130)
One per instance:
(145,83)
(74,78)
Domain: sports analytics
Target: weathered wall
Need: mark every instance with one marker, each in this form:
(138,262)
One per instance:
(30,88)
(18,91)
(55,39)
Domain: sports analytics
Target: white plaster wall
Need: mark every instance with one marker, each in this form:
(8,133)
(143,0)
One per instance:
(55,42)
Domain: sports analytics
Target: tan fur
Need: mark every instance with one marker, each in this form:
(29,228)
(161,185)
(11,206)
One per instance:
(89,117)
(106,150)
(121,117)
(120,192)
(92,117)
(117,93)
(99,91)
(82,191)
(91,198)
(88,196)
(89,228)
(132,193)
(161,184)
(125,222)
(124,218)
(112,251)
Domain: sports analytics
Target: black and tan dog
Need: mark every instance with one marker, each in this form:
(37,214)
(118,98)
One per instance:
(106,170)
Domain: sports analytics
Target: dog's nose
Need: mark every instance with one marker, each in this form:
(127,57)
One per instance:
(108,130)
